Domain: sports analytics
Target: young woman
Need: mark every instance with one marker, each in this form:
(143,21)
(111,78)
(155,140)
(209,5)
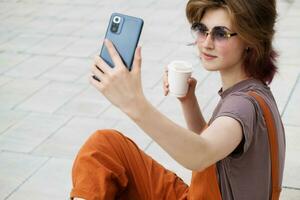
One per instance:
(234,37)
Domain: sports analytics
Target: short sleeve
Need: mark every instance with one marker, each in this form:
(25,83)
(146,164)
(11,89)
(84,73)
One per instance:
(240,107)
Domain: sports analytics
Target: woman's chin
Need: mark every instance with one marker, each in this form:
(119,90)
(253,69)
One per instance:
(210,67)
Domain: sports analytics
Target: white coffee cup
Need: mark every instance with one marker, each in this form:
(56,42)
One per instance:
(178,74)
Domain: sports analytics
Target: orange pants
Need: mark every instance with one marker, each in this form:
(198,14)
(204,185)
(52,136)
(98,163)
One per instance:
(111,166)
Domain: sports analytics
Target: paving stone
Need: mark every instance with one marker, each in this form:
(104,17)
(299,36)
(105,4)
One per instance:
(286,25)
(16,24)
(72,14)
(44,10)
(84,79)
(94,29)
(34,66)
(113,113)
(103,17)
(158,17)
(10,117)
(51,97)
(288,49)
(66,27)
(61,3)
(5,6)
(283,84)
(66,142)
(154,96)
(296,3)
(282,8)
(154,34)
(89,103)
(89,2)
(21,9)
(4,80)
(9,60)
(155,52)
(83,47)
(30,131)
(183,32)
(6,36)
(133,4)
(294,11)
(169,4)
(53,44)
(145,14)
(16,91)
(56,173)
(39,26)
(152,72)
(79,12)
(290,194)
(292,164)
(292,114)
(21,42)
(69,70)
(15,169)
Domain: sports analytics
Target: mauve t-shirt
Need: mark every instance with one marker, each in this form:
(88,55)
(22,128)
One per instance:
(246,173)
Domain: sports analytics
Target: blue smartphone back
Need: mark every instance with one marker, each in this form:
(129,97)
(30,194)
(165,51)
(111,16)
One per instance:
(124,35)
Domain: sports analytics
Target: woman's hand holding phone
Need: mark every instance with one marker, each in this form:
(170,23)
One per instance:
(123,88)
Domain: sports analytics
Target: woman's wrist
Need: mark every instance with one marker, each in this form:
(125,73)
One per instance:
(188,101)
(137,108)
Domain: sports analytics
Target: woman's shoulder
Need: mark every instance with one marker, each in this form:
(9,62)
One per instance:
(241,96)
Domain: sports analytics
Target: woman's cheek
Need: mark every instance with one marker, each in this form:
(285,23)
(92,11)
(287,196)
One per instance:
(229,54)
(224,50)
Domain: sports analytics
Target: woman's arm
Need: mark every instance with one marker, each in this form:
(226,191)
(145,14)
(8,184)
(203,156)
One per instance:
(193,116)
(195,152)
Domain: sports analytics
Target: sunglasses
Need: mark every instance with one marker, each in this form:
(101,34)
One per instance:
(218,33)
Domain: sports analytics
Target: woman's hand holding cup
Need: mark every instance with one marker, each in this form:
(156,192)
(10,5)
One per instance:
(178,82)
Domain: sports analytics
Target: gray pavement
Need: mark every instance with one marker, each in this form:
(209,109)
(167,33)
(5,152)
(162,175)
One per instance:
(48,109)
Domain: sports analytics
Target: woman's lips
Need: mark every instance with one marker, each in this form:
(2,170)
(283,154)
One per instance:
(208,56)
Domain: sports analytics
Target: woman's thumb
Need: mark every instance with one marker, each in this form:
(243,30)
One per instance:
(192,82)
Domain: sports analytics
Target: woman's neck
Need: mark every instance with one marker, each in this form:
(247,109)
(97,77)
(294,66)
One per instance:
(232,76)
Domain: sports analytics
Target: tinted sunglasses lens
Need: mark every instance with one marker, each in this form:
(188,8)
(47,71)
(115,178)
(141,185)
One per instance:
(219,34)
(201,31)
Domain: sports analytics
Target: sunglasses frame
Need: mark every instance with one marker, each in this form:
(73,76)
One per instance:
(227,34)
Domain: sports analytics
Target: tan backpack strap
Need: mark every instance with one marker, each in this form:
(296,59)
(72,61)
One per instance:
(273,144)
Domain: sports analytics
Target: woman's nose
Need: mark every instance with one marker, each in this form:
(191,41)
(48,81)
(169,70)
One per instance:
(208,42)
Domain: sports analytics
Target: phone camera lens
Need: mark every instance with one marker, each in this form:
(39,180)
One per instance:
(116,19)
(115,24)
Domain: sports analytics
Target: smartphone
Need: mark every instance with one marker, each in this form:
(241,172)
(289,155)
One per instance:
(124,32)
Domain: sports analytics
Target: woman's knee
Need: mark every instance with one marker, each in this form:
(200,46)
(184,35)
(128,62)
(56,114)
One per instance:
(99,135)
(103,137)
(97,146)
